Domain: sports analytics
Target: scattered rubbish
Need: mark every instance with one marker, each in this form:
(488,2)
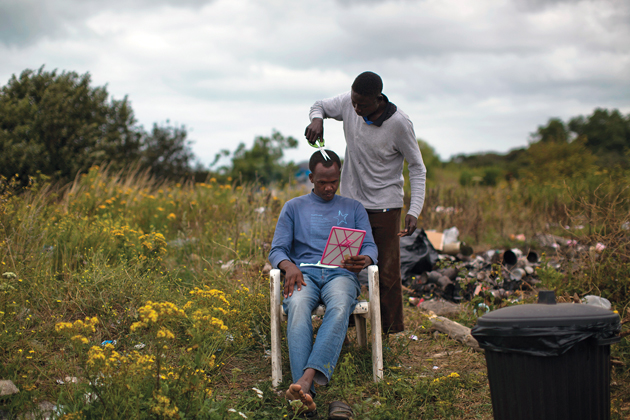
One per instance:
(532,257)
(260,210)
(414,301)
(417,254)
(481,309)
(448,210)
(228,265)
(445,354)
(456,248)
(596,301)
(232,264)
(259,393)
(436,239)
(435,367)
(509,258)
(414,337)
(450,235)
(106,342)
(139,346)
(517,273)
(67,380)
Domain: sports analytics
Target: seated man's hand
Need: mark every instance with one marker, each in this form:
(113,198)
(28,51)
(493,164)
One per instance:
(357,263)
(293,277)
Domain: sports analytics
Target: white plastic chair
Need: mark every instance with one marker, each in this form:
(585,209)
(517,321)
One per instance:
(365,309)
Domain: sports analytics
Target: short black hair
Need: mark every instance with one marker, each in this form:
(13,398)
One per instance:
(368,84)
(318,158)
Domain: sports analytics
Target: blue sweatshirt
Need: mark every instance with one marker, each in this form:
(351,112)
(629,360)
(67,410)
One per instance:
(305,223)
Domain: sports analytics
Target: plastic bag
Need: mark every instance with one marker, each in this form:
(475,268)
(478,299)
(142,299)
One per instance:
(417,255)
(450,235)
(543,341)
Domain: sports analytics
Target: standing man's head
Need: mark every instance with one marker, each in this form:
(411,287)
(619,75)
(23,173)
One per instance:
(325,174)
(366,93)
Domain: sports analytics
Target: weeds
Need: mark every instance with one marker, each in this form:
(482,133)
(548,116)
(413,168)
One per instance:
(124,298)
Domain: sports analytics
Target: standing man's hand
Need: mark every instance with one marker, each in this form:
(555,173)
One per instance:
(315,130)
(293,277)
(410,226)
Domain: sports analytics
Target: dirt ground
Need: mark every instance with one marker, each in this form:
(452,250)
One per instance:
(427,353)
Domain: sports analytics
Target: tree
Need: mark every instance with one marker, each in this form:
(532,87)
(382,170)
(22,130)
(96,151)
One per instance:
(555,130)
(551,161)
(261,163)
(607,134)
(59,125)
(166,152)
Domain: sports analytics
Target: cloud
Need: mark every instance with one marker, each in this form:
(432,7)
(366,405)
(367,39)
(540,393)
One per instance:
(471,75)
(24,22)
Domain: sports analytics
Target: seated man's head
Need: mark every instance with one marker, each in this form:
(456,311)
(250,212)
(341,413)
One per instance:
(366,93)
(325,174)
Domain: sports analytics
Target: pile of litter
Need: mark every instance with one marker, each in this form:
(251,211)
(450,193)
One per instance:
(435,264)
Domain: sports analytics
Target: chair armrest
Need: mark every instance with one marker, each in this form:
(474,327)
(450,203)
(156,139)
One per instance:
(372,278)
(275,292)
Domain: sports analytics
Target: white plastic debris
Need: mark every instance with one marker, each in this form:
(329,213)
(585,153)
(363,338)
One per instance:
(259,393)
(450,235)
(481,309)
(596,301)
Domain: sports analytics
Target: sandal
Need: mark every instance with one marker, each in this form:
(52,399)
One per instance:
(339,410)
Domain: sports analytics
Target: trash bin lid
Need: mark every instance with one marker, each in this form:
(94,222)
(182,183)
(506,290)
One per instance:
(545,329)
(541,315)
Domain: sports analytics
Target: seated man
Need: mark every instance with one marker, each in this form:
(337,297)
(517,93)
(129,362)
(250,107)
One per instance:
(298,244)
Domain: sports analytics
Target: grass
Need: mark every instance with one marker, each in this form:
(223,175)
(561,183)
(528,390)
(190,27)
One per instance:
(124,284)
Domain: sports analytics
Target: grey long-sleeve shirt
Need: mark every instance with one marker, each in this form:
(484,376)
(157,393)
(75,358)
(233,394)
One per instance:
(373,165)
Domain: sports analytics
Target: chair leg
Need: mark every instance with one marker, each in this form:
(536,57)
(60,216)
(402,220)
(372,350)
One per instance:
(361,327)
(375,322)
(276,351)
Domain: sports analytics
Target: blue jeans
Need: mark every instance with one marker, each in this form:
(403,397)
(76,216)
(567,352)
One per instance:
(338,290)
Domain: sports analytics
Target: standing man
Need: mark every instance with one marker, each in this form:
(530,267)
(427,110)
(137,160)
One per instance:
(379,137)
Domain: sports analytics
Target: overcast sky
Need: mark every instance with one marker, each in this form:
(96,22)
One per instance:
(472,75)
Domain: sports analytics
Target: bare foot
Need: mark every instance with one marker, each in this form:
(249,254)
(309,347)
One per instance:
(295,393)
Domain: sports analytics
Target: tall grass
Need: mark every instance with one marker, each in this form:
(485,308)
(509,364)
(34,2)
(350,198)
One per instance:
(144,292)
(104,249)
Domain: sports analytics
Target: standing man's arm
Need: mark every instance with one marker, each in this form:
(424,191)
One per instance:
(326,108)
(408,146)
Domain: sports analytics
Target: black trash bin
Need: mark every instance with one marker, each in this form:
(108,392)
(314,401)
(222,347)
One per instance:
(549,361)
